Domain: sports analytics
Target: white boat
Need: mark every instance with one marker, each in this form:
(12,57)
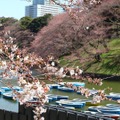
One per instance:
(109,115)
(17,88)
(87,102)
(113,93)
(77,84)
(6,88)
(104,109)
(65,89)
(53,86)
(113,96)
(51,97)
(58,97)
(113,105)
(8,95)
(70,103)
(92,92)
(2,91)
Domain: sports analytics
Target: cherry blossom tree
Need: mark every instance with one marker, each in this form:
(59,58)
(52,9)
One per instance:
(89,33)
(18,63)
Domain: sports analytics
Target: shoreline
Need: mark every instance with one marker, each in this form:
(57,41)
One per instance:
(103,76)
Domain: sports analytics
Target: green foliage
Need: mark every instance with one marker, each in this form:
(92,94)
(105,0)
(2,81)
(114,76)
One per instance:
(25,21)
(6,21)
(39,22)
(3,19)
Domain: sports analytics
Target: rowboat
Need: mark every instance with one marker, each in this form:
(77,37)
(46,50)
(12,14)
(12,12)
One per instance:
(50,99)
(92,92)
(6,88)
(2,91)
(104,109)
(109,115)
(67,107)
(113,97)
(53,86)
(113,93)
(70,103)
(113,105)
(17,88)
(91,103)
(50,86)
(65,89)
(77,84)
(57,97)
(53,97)
(87,102)
(8,95)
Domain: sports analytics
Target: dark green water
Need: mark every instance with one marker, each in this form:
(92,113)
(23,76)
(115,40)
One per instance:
(115,85)
(13,105)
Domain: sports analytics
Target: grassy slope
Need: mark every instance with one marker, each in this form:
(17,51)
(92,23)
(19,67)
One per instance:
(110,63)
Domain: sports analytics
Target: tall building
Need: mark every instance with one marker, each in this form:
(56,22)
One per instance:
(42,7)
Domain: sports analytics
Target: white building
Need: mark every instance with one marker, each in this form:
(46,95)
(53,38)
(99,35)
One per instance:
(42,7)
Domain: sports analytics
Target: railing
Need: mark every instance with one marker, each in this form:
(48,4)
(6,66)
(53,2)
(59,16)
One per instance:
(52,113)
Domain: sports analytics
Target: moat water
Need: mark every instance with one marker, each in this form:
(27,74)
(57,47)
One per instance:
(11,105)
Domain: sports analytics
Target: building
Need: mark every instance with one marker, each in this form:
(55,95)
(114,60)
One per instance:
(42,7)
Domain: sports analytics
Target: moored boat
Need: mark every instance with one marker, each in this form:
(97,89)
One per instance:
(113,97)
(65,89)
(6,88)
(91,91)
(53,86)
(57,97)
(2,91)
(113,105)
(104,109)
(53,97)
(17,88)
(70,103)
(8,95)
(109,115)
(113,93)
(87,102)
(91,103)
(77,84)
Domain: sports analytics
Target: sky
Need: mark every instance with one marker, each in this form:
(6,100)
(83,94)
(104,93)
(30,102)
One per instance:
(13,8)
